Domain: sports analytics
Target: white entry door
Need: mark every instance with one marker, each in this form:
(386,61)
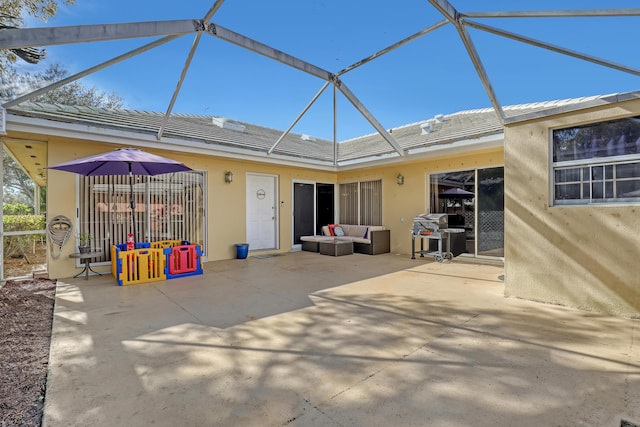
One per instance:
(262,202)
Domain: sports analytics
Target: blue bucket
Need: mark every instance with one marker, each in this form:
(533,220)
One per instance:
(242,250)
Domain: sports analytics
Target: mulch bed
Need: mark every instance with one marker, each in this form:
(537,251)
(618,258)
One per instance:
(26,316)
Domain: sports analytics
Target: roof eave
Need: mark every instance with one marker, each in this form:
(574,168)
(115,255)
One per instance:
(30,124)
(570,108)
(495,140)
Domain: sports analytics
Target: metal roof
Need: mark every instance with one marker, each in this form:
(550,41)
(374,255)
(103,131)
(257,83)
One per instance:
(200,131)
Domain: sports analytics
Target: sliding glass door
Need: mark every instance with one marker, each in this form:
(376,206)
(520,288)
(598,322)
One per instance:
(453,193)
(303,211)
(490,235)
(313,207)
(474,201)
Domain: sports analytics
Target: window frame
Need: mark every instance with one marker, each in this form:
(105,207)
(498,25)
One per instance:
(357,204)
(116,193)
(587,182)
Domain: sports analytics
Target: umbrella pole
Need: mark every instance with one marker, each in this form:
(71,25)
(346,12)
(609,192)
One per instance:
(133,204)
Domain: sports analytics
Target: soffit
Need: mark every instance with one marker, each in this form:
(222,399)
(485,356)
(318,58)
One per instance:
(31,156)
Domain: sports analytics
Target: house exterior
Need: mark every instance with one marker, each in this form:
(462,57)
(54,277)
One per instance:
(252,184)
(574,251)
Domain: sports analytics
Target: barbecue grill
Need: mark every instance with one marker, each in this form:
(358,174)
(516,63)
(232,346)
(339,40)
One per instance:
(429,224)
(431,227)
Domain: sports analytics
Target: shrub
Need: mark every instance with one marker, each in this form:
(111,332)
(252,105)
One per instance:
(13,244)
(17,209)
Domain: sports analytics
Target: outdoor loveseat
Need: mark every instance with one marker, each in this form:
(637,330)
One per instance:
(367,239)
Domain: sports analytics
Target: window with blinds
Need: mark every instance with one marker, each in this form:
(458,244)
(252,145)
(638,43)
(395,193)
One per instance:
(361,203)
(167,207)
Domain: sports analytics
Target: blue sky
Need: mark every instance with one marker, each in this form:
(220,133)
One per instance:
(429,76)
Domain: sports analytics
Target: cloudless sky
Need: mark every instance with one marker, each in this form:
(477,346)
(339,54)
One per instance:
(431,75)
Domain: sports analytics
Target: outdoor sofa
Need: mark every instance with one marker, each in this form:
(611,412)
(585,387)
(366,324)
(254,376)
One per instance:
(367,239)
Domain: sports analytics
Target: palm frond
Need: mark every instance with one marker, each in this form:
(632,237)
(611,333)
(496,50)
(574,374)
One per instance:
(31,55)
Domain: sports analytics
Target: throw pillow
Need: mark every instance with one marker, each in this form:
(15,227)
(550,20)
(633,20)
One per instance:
(331,227)
(338,231)
(366,232)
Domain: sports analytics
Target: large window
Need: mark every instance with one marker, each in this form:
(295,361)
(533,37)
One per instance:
(168,207)
(474,202)
(597,163)
(361,203)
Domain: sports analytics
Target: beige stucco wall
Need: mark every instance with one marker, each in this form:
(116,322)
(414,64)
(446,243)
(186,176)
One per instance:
(400,203)
(580,256)
(226,210)
(225,202)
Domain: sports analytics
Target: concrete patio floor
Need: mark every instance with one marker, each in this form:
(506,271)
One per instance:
(305,339)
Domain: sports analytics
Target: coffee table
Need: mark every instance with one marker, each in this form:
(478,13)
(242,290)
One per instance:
(336,247)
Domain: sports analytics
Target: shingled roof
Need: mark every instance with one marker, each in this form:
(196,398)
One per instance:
(200,131)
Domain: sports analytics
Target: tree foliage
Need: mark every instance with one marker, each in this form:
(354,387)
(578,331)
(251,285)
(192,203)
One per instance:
(18,187)
(12,15)
(24,222)
(16,209)
(74,93)
(17,244)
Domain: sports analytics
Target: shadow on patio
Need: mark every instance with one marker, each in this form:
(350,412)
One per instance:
(310,340)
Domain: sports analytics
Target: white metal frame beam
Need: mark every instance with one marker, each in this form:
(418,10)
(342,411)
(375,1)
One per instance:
(90,33)
(264,50)
(335,125)
(23,38)
(297,119)
(552,47)
(393,47)
(453,16)
(367,115)
(446,9)
(185,68)
(52,36)
(555,13)
(88,71)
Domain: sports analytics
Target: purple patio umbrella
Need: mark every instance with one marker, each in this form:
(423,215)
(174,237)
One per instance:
(456,193)
(123,161)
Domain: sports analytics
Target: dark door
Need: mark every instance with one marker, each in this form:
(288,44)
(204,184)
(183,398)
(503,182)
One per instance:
(325,205)
(303,211)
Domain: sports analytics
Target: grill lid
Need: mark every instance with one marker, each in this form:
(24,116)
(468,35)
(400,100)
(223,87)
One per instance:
(438,218)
